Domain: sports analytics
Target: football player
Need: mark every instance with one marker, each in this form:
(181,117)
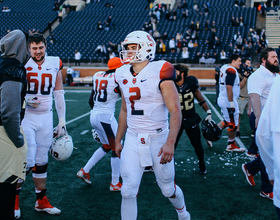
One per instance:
(148,94)
(188,89)
(44,80)
(103,99)
(227,100)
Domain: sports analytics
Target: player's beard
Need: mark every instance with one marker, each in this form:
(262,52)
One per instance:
(38,60)
(271,67)
(178,78)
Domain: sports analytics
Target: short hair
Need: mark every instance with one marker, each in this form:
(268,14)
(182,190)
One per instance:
(182,68)
(37,38)
(245,59)
(233,57)
(264,53)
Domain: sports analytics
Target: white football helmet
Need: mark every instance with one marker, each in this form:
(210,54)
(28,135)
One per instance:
(62,147)
(146,47)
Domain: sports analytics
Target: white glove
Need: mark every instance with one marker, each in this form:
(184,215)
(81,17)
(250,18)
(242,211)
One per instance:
(33,102)
(209,115)
(60,129)
(95,135)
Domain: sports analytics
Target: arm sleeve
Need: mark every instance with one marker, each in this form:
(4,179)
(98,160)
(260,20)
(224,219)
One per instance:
(10,111)
(60,105)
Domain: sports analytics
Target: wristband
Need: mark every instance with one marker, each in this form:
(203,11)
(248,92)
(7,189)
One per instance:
(62,122)
(209,112)
(231,104)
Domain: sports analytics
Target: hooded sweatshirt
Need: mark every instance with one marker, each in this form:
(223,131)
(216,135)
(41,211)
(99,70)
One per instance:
(13,83)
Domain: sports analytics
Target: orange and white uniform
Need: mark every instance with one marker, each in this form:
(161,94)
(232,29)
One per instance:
(38,122)
(147,121)
(229,76)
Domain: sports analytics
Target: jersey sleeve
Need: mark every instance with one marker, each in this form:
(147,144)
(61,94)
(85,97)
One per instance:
(231,75)
(256,84)
(60,64)
(167,72)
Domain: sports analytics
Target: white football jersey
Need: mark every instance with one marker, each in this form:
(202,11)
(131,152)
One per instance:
(105,96)
(146,110)
(227,69)
(41,82)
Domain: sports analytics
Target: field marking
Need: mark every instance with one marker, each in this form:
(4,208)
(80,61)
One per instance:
(75,119)
(84,132)
(221,118)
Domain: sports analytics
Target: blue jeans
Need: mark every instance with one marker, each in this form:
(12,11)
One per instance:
(278,212)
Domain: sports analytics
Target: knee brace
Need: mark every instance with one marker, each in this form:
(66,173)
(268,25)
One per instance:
(129,192)
(40,171)
(231,127)
(106,147)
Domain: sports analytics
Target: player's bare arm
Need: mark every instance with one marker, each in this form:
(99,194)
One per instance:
(256,105)
(122,126)
(200,99)
(171,99)
(229,93)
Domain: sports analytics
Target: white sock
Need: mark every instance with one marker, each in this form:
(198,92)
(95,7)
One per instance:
(129,209)
(115,166)
(97,155)
(179,202)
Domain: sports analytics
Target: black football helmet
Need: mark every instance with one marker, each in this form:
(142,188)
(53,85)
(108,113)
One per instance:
(210,130)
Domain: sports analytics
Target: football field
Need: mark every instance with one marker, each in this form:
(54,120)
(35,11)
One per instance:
(222,194)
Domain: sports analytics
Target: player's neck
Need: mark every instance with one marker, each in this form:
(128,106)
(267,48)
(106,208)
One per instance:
(137,67)
(39,62)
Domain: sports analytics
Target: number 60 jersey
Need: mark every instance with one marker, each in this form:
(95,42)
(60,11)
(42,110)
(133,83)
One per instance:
(41,82)
(146,110)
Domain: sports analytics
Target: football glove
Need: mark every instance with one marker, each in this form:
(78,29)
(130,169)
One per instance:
(33,102)
(60,129)
(209,115)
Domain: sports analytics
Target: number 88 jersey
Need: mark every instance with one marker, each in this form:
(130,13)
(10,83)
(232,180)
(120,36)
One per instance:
(41,82)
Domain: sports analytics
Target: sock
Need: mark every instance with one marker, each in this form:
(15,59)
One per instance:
(179,202)
(129,209)
(115,166)
(231,141)
(40,193)
(97,155)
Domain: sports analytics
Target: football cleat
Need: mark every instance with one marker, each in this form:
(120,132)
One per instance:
(43,205)
(266,195)
(84,176)
(210,130)
(249,177)
(116,187)
(17,213)
(232,147)
(252,155)
(62,147)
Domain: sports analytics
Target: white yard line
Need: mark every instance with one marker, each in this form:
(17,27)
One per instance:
(220,117)
(75,119)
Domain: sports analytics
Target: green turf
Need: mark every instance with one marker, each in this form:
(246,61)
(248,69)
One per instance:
(223,194)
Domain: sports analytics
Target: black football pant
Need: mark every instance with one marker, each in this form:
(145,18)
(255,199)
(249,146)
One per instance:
(7,200)
(195,138)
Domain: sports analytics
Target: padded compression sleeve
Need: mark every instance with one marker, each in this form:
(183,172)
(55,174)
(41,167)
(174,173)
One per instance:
(60,106)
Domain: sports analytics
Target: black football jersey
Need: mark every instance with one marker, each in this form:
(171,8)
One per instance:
(186,95)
